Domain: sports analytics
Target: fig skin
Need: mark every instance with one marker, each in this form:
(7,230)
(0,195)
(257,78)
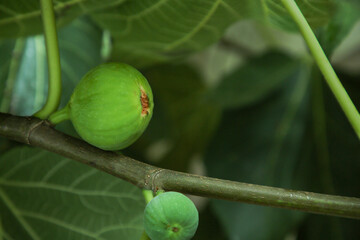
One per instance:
(171,216)
(111,106)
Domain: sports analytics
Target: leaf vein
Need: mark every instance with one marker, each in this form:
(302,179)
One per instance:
(196,29)
(18,216)
(59,223)
(64,189)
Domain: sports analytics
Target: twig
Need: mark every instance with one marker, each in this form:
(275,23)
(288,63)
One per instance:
(39,133)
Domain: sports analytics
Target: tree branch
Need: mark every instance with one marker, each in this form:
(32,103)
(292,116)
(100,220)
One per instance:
(39,133)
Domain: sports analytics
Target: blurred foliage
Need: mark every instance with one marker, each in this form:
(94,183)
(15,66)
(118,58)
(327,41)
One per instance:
(339,26)
(247,85)
(261,144)
(23,17)
(198,24)
(244,97)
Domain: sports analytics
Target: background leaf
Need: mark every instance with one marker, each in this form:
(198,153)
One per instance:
(23,17)
(316,12)
(334,160)
(30,90)
(45,196)
(339,26)
(254,81)
(6,48)
(261,145)
(145,33)
(10,52)
(347,55)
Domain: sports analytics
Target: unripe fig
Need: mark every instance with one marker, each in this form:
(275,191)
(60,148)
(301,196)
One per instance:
(171,216)
(110,107)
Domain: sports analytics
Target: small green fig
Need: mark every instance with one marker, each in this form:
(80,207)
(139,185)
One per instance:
(171,216)
(110,107)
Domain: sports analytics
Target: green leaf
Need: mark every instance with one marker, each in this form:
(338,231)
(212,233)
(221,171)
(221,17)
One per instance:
(316,12)
(343,144)
(262,145)
(46,196)
(9,58)
(253,81)
(334,164)
(355,3)
(80,45)
(23,17)
(325,227)
(347,56)
(6,56)
(155,31)
(209,225)
(339,26)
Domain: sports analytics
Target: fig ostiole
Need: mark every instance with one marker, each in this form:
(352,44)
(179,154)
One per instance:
(111,106)
(171,216)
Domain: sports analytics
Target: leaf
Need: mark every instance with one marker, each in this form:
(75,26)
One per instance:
(316,12)
(250,38)
(347,55)
(339,26)
(334,161)
(243,41)
(30,91)
(9,58)
(146,32)
(325,227)
(46,196)
(355,3)
(23,17)
(216,62)
(254,81)
(343,143)
(6,55)
(209,226)
(261,144)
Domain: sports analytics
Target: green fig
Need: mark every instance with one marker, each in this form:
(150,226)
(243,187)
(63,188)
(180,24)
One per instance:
(171,216)
(110,107)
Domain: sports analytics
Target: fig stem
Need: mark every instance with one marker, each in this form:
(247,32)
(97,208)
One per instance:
(159,192)
(148,195)
(324,65)
(53,60)
(59,116)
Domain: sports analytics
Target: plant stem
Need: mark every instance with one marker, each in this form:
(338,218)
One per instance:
(53,60)
(13,70)
(324,65)
(59,116)
(38,133)
(148,195)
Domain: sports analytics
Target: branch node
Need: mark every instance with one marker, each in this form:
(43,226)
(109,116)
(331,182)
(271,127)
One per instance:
(34,127)
(150,180)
